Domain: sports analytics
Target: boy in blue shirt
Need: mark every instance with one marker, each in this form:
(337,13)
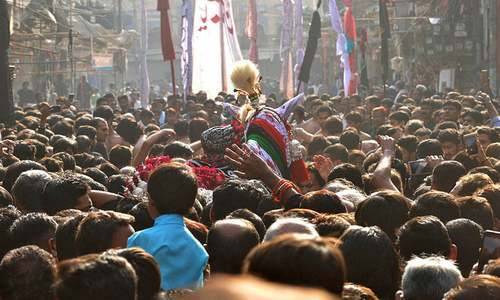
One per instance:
(172,190)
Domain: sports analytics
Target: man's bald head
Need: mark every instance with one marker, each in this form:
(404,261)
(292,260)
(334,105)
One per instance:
(228,243)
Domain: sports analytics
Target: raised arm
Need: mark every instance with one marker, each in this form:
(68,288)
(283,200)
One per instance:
(156,138)
(382,174)
(250,166)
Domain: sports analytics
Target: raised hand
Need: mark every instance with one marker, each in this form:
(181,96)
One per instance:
(324,165)
(248,164)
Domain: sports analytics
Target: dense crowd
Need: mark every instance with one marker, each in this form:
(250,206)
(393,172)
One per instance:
(170,202)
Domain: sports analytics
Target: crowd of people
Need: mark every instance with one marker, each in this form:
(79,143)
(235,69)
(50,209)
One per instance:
(170,202)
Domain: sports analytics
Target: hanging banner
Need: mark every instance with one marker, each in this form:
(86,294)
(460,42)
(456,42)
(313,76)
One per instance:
(215,46)
(187,47)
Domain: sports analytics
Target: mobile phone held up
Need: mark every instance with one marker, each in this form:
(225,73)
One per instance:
(490,248)
(470,143)
(418,167)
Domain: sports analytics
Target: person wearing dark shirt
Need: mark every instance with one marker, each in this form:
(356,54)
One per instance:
(25,94)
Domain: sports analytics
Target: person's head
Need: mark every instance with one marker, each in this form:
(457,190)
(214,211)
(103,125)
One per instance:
(429,278)
(8,215)
(27,273)
(65,145)
(141,215)
(371,260)
(372,101)
(16,169)
(478,210)
(484,287)
(67,191)
(323,201)
(24,151)
(235,194)
(317,146)
(102,129)
(129,130)
(124,103)
(103,230)
(120,156)
(450,142)
(332,126)
(425,236)
(399,119)
(5,197)
(181,129)
(63,127)
(378,116)
(228,243)
(493,150)
(88,131)
(408,145)
(413,125)
(428,148)
(492,194)
(350,139)
(251,217)
(356,292)
(146,268)
(492,268)
(28,188)
(331,225)
(34,229)
(288,225)
(196,127)
(348,172)
(354,119)
(172,189)
(83,144)
(299,260)
(472,118)
(178,150)
(439,204)
(486,136)
(471,183)
(446,174)
(322,113)
(338,154)
(451,110)
(96,277)
(373,211)
(65,237)
(467,236)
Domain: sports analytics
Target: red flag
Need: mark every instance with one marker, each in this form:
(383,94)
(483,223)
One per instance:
(167,45)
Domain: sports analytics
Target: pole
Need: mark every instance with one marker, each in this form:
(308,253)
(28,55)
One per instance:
(6,99)
(298,88)
(172,71)
(120,24)
(70,47)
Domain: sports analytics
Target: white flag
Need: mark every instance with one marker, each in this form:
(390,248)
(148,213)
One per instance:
(215,46)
